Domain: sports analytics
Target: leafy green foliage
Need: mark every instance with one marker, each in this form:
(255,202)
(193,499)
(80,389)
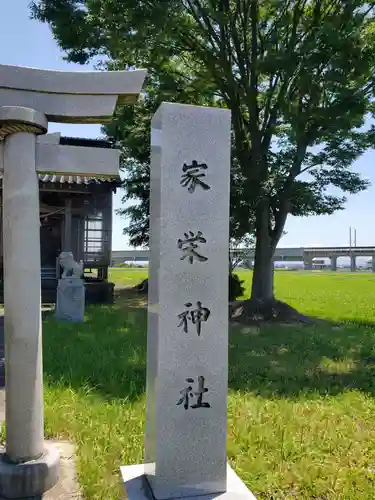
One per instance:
(298,76)
(130,130)
(236,288)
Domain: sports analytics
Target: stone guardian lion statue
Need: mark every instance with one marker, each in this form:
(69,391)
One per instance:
(71,268)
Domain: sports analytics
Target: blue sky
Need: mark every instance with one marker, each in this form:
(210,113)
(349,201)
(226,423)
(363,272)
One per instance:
(29,43)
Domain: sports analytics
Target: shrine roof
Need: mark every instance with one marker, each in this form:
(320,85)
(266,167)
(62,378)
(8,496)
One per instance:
(85,142)
(78,179)
(112,182)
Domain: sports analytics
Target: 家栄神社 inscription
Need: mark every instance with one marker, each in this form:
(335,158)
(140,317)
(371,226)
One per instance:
(192,176)
(195,316)
(187,394)
(190,246)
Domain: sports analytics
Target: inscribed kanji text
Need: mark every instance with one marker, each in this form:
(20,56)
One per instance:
(196,316)
(188,393)
(190,246)
(192,176)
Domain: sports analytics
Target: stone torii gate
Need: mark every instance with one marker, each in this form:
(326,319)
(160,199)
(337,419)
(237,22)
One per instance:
(29,98)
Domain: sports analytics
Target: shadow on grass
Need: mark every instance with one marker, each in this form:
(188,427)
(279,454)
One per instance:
(288,360)
(107,354)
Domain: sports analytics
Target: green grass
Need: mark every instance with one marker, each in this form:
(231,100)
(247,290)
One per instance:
(333,296)
(301,399)
(127,277)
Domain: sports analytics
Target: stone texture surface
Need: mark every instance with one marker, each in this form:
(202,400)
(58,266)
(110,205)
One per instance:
(76,160)
(67,488)
(79,160)
(70,301)
(32,478)
(185,449)
(119,83)
(22,302)
(137,487)
(15,119)
(67,96)
(2,369)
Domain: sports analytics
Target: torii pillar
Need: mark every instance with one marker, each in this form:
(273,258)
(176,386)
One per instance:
(29,98)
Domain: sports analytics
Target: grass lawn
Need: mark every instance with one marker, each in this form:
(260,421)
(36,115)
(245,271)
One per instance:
(301,405)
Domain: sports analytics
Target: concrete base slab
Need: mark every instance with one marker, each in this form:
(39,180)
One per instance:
(67,488)
(137,486)
(29,479)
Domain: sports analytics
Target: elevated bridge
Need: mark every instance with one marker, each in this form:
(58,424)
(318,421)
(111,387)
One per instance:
(298,254)
(291,254)
(334,252)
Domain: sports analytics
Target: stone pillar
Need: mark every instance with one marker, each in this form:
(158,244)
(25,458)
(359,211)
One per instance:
(333,263)
(353,264)
(67,246)
(189,202)
(70,299)
(28,468)
(107,227)
(308,263)
(187,368)
(373,263)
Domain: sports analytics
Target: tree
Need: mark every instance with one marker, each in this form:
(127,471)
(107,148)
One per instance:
(130,130)
(245,244)
(298,76)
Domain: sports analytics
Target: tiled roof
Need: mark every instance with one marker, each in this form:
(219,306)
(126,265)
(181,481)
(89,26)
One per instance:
(76,179)
(84,142)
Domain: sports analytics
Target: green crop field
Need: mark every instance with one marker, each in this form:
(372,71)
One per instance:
(301,398)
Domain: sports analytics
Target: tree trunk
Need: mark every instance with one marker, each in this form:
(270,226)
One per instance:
(262,287)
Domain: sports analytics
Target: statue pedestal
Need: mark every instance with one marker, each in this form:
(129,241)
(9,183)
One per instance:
(70,301)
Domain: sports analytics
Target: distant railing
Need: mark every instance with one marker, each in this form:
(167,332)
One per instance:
(339,249)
